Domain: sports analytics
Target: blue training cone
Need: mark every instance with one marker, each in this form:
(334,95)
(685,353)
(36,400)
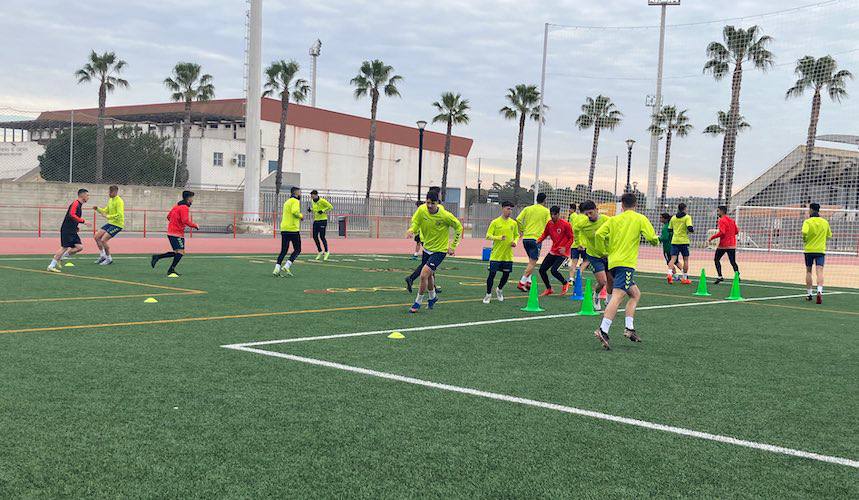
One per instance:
(577,287)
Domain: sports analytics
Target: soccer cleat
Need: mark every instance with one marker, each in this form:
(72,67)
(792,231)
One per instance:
(670,279)
(153,261)
(101,259)
(56,270)
(286,270)
(718,280)
(521,287)
(318,256)
(437,290)
(819,298)
(487,298)
(415,307)
(631,335)
(276,272)
(106,262)
(808,297)
(327,254)
(498,294)
(565,288)
(686,281)
(414,257)
(603,338)
(547,292)
(528,286)
(409,283)
(431,302)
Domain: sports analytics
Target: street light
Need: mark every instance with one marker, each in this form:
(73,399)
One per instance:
(421,126)
(629,144)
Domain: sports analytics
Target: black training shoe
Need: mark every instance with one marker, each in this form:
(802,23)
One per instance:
(153,261)
(718,280)
(437,289)
(409,282)
(603,338)
(631,335)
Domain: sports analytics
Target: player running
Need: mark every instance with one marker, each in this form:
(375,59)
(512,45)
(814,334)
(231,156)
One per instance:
(593,251)
(320,208)
(503,232)
(70,241)
(561,234)
(421,207)
(815,232)
(290,232)
(665,239)
(727,235)
(577,253)
(621,235)
(177,220)
(532,221)
(433,224)
(681,226)
(115,213)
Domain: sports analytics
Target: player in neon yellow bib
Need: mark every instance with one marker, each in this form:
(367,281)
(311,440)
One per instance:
(532,221)
(815,232)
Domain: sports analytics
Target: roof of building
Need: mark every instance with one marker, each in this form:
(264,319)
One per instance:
(234,110)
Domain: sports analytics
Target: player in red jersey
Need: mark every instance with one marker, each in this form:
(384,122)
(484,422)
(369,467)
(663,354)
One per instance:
(561,233)
(727,235)
(177,220)
(70,241)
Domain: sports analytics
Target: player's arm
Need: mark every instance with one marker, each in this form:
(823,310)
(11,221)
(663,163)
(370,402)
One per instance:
(648,232)
(328,206)
(103,210)
(73,215)
(805,229)
(296,210)
(546,234)
(490,233)
(689,227)
(602,235)
(186,218)
(520,221)
(720,230)
(828,231)
(457,229)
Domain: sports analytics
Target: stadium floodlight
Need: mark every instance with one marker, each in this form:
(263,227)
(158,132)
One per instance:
(629,144)
(421,126)
(315,50)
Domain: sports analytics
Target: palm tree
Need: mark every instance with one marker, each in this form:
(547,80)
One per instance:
(719,128)
(523,103)
(598,113)
(374,78)
(451,110)
(818,74)
(670,122)
(188,85)
(740,45)
(281,80)
(104,69)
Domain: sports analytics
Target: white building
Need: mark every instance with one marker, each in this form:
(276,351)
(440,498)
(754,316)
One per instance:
(323,150)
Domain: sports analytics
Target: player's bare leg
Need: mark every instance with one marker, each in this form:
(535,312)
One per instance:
(98,243)
(819,284)
(525,281)
(808,282)
(672,267)
(602,282)
(629,331)
(601,333)
(685,279)
(104,247)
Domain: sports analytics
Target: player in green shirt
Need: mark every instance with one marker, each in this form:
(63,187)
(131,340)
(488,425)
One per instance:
(665,238)
(621,236)
(503,232)
(576,252)
(815,232)
(591,249)
(320,207)
(290,226)
(434,225)
(532,221)
(681,226)
(115,213)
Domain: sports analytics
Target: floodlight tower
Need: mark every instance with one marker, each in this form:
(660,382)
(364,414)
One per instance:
(657,105)
(250,203)
(315,50)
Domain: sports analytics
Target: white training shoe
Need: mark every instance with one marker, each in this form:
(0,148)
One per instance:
(487,298)
(106,262)
(499,295)
(101,259)
(597,304)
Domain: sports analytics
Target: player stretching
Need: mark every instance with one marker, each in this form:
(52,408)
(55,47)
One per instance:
(177,220)
(665,239)
(592,248)
(290,232)
(815,232)
(561,234)
(681,226)
(320,208)
(433,224)
(70,241)
(503,232)
(115,213)
(727,235)
(532,221)
(621,235)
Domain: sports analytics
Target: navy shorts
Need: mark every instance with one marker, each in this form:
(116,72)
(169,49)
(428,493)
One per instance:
(817,259)
(176,243)
(667,255)
(532,248)
(598,264)
(69,240)
(624,277)
(433,260)
(111,229)
(680,250)
(575,253)
(499,265)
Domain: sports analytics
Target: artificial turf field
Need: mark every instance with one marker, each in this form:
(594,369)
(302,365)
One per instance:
(110,397)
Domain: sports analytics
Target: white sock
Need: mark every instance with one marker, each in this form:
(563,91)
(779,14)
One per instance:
(65,255)
(810,290)
(629,323)
(287,264)
(528,279)
(103,253)
(419,299)
(670,272)
(415,254)
(605,325)
(819,288)
(277,268)
(523,279)
(432,294)
(54,264)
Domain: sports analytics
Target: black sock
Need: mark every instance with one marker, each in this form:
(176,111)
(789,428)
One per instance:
(489,282)
(176,258)
(164,255)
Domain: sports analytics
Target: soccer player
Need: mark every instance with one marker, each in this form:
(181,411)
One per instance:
(727,235)
(503,232)
(620,236)
(177,220)
(576,252)
(290,232)
(115,213)
(815,232)
(561,234)
(681,226)
(320,208)
(434,226)
(70,241)
(593,251)
(421,207)
(665,239)
(532,221)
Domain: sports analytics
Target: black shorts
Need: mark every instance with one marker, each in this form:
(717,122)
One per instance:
(69,240)
(434,259)
(320,224)
(177,243)
(505,266)
(111,229)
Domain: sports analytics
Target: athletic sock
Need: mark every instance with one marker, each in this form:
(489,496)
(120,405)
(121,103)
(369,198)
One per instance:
(419,298)
(810,291)
(605,325)
(528,278)
(819,288)
(54,264)
(277,268)
(165,255)
(629,323)
(432,294)
(65,255)
(103,253)
(176,258)
(287,264)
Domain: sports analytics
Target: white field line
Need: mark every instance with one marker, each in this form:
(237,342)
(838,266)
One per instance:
(561,408)
(505,320)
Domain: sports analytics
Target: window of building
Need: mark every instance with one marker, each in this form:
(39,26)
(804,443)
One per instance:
(218,159)
(272,166)
(213,125)
(241,161)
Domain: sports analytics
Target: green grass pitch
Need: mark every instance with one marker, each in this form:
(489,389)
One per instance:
(112,397)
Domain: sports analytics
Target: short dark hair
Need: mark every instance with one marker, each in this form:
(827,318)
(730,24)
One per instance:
(113,188)
(681,206)
(435,188)
(314,192)
(507,204)
(572,207)
(723,208)
(541,197)
(293,190)
(665,216)
(587,205)
(432,196)
(418,203)
(815,207)
(187,194)
(555,209)
(628,200)
(82,191)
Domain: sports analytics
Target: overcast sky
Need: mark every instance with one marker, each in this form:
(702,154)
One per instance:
(476,47)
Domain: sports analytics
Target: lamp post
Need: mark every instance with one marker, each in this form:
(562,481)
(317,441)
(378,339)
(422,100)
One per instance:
(629,144)
(421,126)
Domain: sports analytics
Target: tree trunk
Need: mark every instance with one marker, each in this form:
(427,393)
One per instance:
(809,146)
(446,158)
(731,133)
(186,135)
(593,159)
(371,153)
(665,169)
(99,134)
(518,177)
(281,139)
(722,172)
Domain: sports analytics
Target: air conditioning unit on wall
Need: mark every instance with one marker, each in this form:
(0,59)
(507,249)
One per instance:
(235,159)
